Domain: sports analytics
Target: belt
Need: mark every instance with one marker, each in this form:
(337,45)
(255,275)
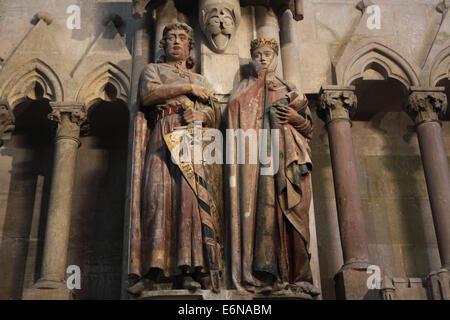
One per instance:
(165,112)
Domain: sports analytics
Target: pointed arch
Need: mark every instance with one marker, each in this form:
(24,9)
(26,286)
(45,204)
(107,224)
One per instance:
(107,82)
(380,57)
(33,74)
(440,69)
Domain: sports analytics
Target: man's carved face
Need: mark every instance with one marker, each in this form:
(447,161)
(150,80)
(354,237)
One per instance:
(177,45)
(263,57)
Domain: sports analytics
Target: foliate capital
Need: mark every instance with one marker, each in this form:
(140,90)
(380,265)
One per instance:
(77,112)
(337,103)
(427,104)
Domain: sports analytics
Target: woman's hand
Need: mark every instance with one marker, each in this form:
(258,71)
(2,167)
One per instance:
(190,115)
(200,92)
(286,115)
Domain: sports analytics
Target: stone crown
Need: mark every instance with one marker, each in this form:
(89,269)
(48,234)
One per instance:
(264,42)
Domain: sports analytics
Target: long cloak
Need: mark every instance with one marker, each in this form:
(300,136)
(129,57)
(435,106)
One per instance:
(268,215)
(167,229)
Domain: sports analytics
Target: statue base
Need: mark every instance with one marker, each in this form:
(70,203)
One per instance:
(222,295)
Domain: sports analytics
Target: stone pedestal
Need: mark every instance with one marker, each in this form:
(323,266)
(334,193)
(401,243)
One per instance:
(61,293)
(222,295)
(351,284)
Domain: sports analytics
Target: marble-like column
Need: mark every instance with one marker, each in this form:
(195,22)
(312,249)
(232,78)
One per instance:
(69,117)
(266,24)
(290,49)
(426,107)
(165,14)
(337,106)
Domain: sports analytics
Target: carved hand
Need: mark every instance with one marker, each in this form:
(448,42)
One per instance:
(200,92)
(286,114)
(190,115)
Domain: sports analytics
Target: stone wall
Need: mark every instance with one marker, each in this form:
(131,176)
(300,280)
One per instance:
(335,47)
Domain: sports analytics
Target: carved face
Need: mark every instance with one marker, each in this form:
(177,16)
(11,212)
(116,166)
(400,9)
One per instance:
(218,26)
(177,45)
(263,57)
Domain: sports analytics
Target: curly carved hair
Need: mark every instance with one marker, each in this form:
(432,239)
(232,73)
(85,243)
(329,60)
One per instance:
(190,62)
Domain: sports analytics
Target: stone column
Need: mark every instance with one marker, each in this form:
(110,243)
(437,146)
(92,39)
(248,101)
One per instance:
(266,24)
(338,104)
(426,107)
(69,117)
(290,49)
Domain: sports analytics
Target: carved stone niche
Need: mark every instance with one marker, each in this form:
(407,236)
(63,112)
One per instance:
(219,20)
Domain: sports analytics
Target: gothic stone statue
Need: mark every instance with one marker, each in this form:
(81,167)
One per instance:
(269,221)
(177,244)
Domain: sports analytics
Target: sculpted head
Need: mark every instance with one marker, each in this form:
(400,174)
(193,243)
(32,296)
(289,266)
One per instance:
(177,42)
(219,21)
(264,53)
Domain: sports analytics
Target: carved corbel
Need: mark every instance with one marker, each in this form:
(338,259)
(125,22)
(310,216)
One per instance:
(337,103)
(7,119)
(219,20)
(427,105)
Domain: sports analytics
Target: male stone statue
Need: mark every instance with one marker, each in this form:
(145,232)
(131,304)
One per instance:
(269,221)
(177,246)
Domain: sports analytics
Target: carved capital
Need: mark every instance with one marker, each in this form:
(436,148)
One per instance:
(77,112)
(427,104)
(337,103)
(6,119)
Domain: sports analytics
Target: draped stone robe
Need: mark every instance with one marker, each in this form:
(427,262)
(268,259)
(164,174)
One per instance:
(269,215)
(166,231)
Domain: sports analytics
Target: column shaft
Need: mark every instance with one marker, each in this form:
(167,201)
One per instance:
(290,49)
(348,199)
(337,104)
(58,221)
(426,107)
(437,175)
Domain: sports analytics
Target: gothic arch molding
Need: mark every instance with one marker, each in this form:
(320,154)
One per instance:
(35,80)
(379,56)
(440,68)
(106,83)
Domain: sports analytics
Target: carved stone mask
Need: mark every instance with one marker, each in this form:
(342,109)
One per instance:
(219,20)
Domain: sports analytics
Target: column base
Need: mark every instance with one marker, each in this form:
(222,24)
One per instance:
(351,283)
(438,284)
(47,290)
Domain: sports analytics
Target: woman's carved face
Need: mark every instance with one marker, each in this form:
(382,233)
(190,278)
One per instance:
(262,57)
(177,45)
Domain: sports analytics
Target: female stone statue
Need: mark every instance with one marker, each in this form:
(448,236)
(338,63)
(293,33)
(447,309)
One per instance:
(269,221)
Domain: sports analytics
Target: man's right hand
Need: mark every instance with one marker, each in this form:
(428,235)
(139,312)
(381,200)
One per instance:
(200,92)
